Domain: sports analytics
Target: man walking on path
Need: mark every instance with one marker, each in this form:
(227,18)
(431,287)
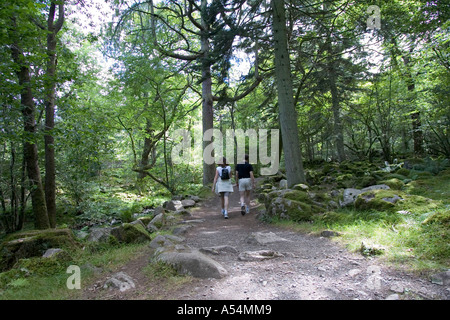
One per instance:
(246,181)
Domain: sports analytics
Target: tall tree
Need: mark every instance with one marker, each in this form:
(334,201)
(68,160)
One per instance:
(287,112)
(50,85)
(23,72)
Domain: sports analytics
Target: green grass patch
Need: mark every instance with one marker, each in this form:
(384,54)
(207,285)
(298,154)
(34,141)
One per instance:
(414,242)
(415,233)
(46,279)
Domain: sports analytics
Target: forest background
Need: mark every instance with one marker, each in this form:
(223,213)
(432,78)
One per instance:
(92,92)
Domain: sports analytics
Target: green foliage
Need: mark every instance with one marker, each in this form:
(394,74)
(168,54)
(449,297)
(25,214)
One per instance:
(115,120)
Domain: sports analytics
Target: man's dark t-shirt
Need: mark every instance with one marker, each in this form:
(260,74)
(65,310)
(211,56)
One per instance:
(243,170)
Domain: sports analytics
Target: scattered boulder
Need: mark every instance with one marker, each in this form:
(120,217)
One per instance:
(292,204)
(192,262)
(156,223)
(292,209)
(393,296)
(377,200)
(191,197)
(350,194)
(174,205)
(283,184)
(145,220)
(181,229)
(376,187)
(371,249)
(441,217)
(394,183)
(33,244)
(164,241)
(131,233)
(183,212)
(397,288)
(193,221)
(187,203)
(120,281)
(301,187)
(259,255)
(329,234)
(219,249)
(57,253)
(99,234)
(442,278)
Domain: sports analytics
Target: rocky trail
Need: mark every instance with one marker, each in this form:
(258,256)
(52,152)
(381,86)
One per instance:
(260,261)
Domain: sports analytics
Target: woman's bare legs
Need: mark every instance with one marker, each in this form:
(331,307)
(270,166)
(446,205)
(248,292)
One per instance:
(224,204)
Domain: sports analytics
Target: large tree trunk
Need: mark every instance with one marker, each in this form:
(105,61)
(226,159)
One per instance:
(335,106)
(50,170)
(207,96)
(417,128)
(30,148)
(287,112)
(415,116)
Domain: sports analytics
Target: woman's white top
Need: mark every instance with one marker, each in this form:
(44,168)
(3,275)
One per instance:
(223,185)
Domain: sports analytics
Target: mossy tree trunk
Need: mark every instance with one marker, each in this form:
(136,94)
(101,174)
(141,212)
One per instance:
(30,147)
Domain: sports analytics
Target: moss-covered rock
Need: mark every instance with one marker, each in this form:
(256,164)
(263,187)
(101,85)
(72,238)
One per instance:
(395,176)
(296,195)
(403,171)
(33,244)
(146,219)
(301,187)
(394,183)
(394,200)
(291,204)
(380,200)
(347,180)
(131,233)
(371,249)
(441,217)
(292,210)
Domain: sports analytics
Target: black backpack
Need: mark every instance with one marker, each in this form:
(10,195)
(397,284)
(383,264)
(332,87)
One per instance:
(225,174)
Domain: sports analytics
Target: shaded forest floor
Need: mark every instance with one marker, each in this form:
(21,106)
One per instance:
(309,267)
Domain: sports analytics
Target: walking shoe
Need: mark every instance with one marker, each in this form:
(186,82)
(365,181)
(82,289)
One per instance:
(225,215)
(242,209)
(223,212)
(247,209)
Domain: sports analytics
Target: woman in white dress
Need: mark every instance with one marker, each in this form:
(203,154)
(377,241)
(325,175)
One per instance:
(222,185)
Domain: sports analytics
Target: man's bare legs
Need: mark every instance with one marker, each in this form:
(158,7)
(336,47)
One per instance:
(245,201)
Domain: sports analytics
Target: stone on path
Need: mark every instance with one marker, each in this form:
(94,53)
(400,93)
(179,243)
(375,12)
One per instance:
(192,262)
(442,278)
(259,255)
(174,205)
(219,249)
(120,281)
(163,241)
(187,203)
(263,238)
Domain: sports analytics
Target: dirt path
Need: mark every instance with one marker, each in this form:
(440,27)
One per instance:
(307,267)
